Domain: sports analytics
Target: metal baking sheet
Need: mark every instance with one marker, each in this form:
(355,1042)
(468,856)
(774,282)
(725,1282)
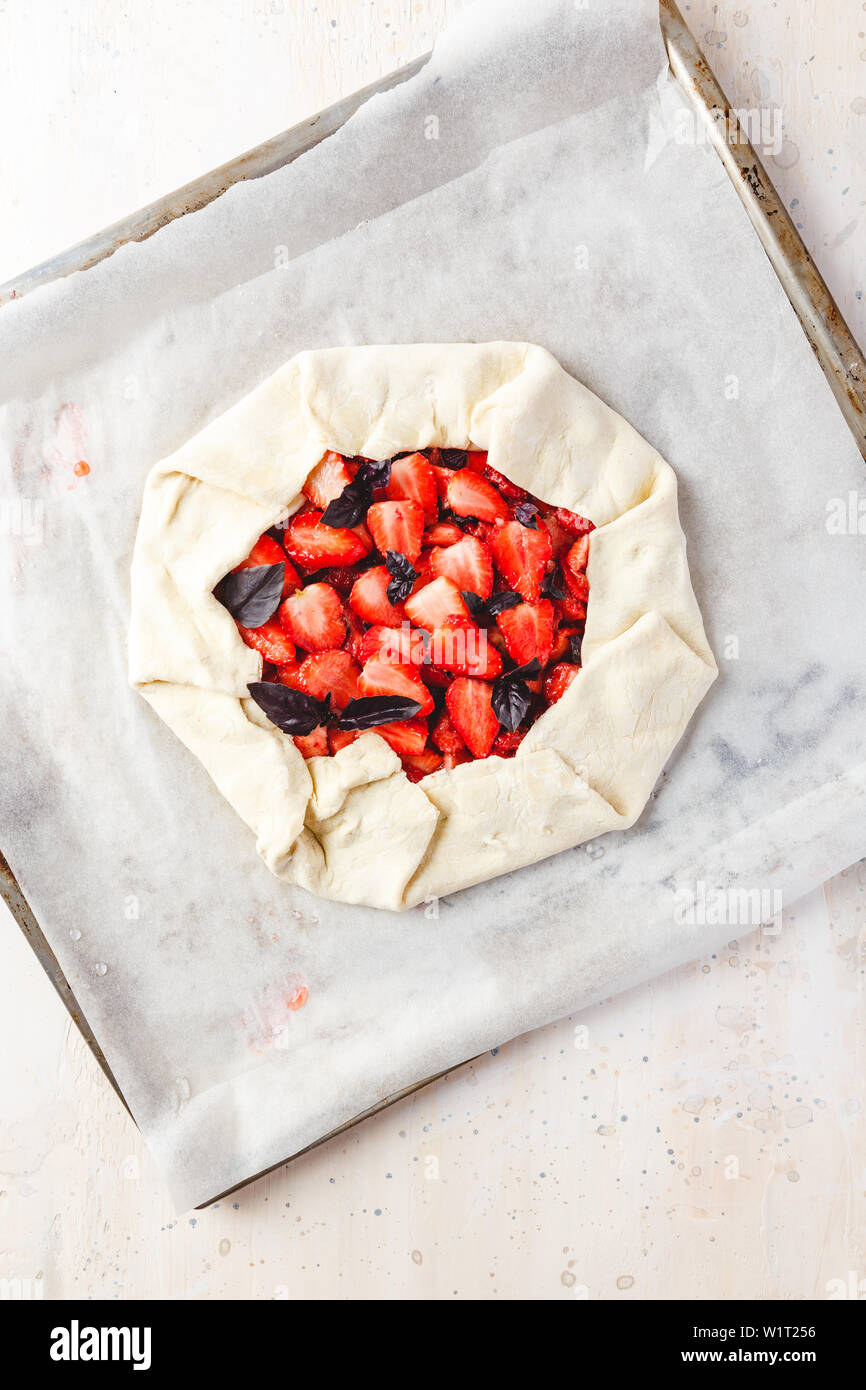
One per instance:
(840,357)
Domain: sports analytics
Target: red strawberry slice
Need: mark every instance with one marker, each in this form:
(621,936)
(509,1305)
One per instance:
(520,553)
(341,738)
(560,539)
(270,639)
(355,635)
(446,737)
(369,598)
(334,673)
(408,737)
(267,551)
(476,460)
(469,563)
(461,646)
(397,526)
(413,480)
(505,485)
(561,649)
(443,477)
(418,765)
(528,631)
(558,679)
(315,744)
(340,577)
(578,555)
(313,545)
(573,522)
(327,480)
(469,705)
(576,584)
(430,606)
(384,678)
(443,533)
(401,646)
(290,675)
(455,759)
(572,609)
(468,494)
(314,618)
(507,742)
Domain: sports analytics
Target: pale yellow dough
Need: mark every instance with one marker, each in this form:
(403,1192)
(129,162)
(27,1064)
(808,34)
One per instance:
(353,827)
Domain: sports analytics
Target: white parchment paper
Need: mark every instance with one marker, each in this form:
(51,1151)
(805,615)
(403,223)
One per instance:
(531,183)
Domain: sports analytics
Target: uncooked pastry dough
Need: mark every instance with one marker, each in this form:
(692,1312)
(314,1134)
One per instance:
(352,827)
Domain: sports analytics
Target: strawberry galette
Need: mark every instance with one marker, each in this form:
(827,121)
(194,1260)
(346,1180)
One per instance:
(424,614)
(424,597)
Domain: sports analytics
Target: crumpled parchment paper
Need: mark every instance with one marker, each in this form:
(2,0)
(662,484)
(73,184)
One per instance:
(533,182)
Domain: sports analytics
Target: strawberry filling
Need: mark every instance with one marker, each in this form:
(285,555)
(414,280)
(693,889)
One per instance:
(425,597)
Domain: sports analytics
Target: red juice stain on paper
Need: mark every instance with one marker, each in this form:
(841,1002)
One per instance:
(81,469)
(67,452)
(264,1023)
(299,998)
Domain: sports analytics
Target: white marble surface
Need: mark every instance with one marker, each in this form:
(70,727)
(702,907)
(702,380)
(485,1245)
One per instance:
(566,1165)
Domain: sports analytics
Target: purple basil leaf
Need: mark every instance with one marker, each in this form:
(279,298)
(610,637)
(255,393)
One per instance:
(403,575)
(454,458)
(291,710)
(252,596)
(552,583)
(374,473)
(476,605)
(350,507)
(509,598)
(372,710)
(526,513)
(575,641)
(511,695)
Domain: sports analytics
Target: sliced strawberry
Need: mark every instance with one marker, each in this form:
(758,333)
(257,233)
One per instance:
(408,737)
(314,618)
(340,577)
(341,738)
(315,744)
(578,555)
(369,598)
(469,705)
(401,646)
(313,545)
(334,673)
(561,649)
(436,675)
(507,742)
(267,551)
(557,680)
(413,480)
(476,460)
(469,563)
(384,678)
(572,609)
(505,485)
(520,553)
(430,606)
(327,480)
(443,533)
(397,526)
(289,674)
(468,494)
(461,646)
(355,635)
(573,522)
(455,759)
(418,765)
(577,584)
(560,539)
(528,631)
(445,736)
(270,639)
(443,477)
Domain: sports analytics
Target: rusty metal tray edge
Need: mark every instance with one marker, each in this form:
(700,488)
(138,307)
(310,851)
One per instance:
(833,343)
